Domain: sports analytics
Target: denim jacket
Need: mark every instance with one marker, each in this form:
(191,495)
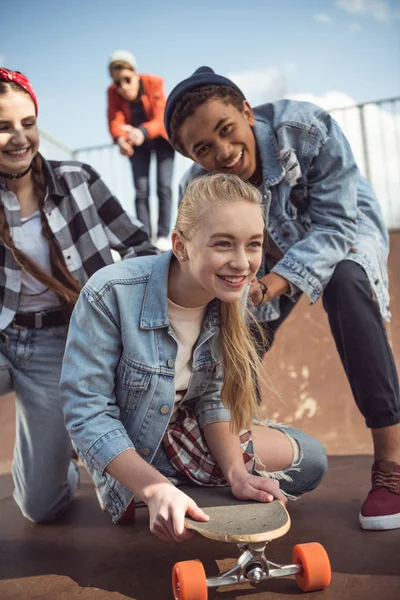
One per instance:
(117,381)
(319,209)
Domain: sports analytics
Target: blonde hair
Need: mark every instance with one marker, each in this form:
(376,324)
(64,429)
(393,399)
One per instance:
(242,364)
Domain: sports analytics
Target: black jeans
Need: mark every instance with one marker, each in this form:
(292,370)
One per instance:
(361,340)
(141,166)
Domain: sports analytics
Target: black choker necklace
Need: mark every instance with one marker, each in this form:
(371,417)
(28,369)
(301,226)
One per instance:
(15,175)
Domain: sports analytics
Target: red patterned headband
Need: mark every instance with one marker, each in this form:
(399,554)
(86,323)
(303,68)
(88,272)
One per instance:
(21,80)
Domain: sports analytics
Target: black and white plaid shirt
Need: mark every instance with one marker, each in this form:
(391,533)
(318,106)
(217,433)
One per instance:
(87,222)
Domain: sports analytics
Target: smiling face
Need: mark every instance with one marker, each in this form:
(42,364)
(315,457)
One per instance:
(127,83)
(220,138)
(19,136)
(224,252)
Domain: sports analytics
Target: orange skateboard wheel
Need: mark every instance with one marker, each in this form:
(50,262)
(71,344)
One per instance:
(314,560)
(189,581)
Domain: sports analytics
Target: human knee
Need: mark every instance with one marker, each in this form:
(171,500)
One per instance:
(314,463)
(142,188)
(37,510)
(41,505)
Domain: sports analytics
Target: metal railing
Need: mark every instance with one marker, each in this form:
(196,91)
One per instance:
(372,128)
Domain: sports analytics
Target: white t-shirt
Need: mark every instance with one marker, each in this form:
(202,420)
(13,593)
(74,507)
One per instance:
(34,296)
(186,323)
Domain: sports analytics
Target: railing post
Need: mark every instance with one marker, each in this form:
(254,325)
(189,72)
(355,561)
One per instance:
(364,143)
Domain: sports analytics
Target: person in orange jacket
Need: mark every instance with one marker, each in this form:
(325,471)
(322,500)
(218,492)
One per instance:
(136,122)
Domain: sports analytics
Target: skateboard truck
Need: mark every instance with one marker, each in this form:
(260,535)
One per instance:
(310,565)
(252,566)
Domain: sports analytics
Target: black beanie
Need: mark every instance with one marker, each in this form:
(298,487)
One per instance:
(202,76)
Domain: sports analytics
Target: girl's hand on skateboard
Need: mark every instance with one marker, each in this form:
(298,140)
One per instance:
(168,507)
(252,487)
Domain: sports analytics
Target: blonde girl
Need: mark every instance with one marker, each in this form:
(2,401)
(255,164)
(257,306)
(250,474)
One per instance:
(168,396)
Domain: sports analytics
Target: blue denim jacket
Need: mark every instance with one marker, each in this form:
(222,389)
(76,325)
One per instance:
(319,209)
(117,381)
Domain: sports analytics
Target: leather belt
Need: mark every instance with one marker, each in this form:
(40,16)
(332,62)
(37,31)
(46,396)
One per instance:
(40,320)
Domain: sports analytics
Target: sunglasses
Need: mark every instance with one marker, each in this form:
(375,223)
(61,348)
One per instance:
(119,82)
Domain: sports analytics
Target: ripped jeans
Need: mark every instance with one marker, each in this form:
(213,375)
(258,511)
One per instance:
(303,475)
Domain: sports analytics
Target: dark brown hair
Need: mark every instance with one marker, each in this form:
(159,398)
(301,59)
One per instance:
(60,281)
(187,105)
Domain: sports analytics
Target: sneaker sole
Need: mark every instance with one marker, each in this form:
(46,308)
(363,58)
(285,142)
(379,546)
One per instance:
(381,523)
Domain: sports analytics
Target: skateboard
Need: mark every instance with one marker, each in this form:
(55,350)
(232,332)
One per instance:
(250,525)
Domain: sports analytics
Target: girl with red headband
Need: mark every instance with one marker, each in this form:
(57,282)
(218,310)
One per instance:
(58,224)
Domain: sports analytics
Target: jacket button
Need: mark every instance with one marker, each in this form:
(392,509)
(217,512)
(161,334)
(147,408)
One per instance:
(145,452)
(170,363)
(164,410)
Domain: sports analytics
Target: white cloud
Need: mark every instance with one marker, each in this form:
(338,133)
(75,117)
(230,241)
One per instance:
(354,27)
(322,17)
(328,101)
(2,60)
(378,9)
(263,85)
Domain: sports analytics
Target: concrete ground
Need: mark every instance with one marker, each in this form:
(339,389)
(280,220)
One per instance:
(85,557)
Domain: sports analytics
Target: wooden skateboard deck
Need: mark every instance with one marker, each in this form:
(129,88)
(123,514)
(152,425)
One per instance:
(236,521)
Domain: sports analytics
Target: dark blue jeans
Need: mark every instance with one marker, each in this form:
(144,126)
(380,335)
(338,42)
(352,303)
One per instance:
(361,341)
(141,166)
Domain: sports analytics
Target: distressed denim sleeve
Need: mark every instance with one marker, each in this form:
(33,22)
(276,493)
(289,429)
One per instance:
(91,356)
(332,188)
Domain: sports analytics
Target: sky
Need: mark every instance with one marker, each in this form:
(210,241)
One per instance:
(335,53)
(270,48)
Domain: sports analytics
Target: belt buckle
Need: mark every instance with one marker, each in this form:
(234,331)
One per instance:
(39,320)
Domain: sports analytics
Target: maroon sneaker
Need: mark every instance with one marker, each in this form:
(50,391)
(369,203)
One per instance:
(381,509)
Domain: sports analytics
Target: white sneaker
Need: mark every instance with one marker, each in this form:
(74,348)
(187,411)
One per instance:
(163,244)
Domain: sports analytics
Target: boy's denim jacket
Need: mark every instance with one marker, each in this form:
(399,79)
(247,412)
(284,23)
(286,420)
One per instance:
(117,382)
(319,209)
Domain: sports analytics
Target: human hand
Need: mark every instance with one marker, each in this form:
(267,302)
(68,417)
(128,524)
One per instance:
(136,136)
(252,487)
(268,287)
(168,507)
(124,147)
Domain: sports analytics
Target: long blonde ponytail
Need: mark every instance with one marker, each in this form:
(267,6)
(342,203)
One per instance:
(242,365)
